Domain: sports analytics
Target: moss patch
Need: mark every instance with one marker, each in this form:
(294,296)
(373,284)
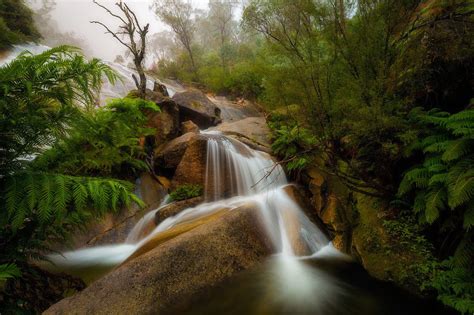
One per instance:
(391,249)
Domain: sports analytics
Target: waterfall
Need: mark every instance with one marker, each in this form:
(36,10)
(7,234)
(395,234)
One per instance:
(233,169)
(236,176)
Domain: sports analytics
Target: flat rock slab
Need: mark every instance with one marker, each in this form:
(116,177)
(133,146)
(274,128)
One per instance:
(253,128)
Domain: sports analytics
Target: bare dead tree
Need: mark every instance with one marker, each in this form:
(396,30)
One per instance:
(130,27)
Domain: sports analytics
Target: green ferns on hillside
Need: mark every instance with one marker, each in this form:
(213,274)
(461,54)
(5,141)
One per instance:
(47,103)
(442,188)
(40,96)
(292,142)
(445,180)
(103,142)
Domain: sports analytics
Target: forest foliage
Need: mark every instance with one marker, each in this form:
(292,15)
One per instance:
(377,93)
(16,23)
(61,161)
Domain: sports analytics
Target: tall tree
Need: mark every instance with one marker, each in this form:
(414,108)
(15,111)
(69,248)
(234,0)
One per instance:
(178,14)
(130,27)
(221,20)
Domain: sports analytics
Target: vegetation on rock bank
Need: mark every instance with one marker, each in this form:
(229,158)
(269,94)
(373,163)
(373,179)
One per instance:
(377,93)
(60,157)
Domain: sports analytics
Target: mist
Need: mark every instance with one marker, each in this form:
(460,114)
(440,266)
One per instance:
(74,16)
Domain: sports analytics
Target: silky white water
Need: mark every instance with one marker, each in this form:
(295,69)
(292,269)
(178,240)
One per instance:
(236,176)
(233,168)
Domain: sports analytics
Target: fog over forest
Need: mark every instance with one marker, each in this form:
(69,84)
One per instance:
(75,15)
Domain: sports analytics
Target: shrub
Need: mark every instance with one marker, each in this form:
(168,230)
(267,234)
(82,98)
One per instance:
(187,191)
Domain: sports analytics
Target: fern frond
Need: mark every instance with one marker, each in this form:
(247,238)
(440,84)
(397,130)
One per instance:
(463,189)
(468,220)
(8,271)
(457,149)
(435,203)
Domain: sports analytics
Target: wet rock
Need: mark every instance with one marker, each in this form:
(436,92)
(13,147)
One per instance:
(192,167)
(166,122)
(254,129)
(161,88)
(176,207)
(356,228)
(189,126)
(169,155)
(168,278)
(235,110)
(292,222)
(195,106)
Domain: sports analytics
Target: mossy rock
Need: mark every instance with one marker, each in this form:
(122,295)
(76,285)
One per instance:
(380,250)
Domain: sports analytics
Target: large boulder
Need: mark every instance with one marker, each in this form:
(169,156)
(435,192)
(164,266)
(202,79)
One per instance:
(192,167)
(168,278)
(356,223)
(166,122)
(169,155)
(252,131)
(189,126)
(195,106)
(161,88)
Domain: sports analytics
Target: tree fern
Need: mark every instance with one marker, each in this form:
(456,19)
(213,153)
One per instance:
(40,95)
(74,200)
(447,198)
(446,176)
(457,149)
(435,203)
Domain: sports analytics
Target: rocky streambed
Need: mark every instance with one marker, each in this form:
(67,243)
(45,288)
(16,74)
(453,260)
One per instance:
(247,245)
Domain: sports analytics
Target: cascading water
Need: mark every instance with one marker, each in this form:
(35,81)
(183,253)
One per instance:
(236,175)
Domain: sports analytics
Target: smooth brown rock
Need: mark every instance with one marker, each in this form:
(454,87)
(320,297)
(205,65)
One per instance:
(169,155)
(192,167)
(195,106)
(189,126)
(254,129)
(167,279)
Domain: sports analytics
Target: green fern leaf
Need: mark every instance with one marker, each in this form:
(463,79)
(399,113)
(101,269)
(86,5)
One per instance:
(79,194)
(463,189)
(457,149)
(435,203)
(8,271)
(468,221)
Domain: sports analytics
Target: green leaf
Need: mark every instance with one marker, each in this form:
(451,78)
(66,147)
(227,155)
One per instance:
(8,271)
